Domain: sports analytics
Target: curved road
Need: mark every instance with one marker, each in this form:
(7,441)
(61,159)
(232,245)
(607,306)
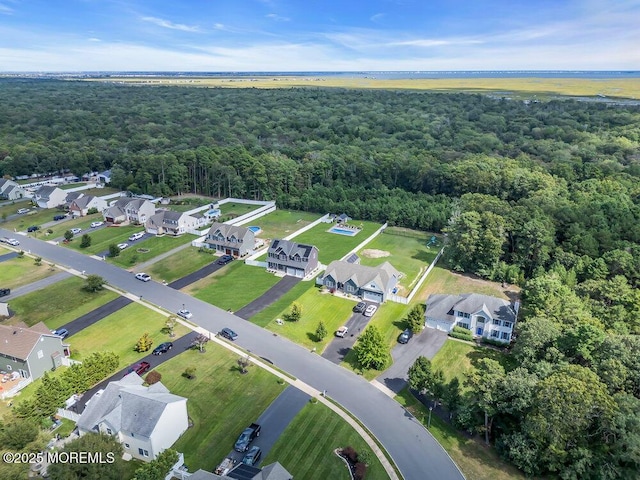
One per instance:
(416,453)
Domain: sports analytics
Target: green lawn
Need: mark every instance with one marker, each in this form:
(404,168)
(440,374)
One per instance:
(233,286)
(102,238)
(12,208)
(184,204)
(410,255)
(180,264)
(28,391)
(222,402)
(21,271)
(35,217)
(281,223)
(137,253)
(274,310)
(232,209)
(476,461)
(69,186)
(101,192)
(332,246)
(316,306)
(59,303)
(315,432)
(119,333)
(59,228)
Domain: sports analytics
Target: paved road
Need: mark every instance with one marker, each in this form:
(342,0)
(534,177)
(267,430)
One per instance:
(8,256)
(197,275)
(37,285)
(96,315)
(270,296)
(426,344)
(340,346)
(417,454)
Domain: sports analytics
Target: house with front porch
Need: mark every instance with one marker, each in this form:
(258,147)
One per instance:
(10,190)
(291,258)
(486,316)
(49,196)
(167,222)
(373,284)
(230,239)
(81,206)
(127,209)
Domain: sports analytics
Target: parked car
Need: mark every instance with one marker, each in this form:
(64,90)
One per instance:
(140,368)
(246,437)
(145,277)
(136,236)
(122,246)
(75,231)
(12,241)
(228,334)
(33,228)
(96,224)
(224,259)
(4,292)
(61,332)
(405,336)
(370,310)
(163,348)
(23,210)
(360,307)
(185,313)
(341,332)
(59,217)
(252,456)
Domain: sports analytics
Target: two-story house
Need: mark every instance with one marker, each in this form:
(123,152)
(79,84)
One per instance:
(146,420)
(81,206)
(291,258)
(132,210)
(230,239)
(369,283)
(486,316)
(49,196)
(10,190)
(167,222)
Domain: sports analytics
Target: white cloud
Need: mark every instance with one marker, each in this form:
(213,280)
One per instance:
(173,26)
(277,18)
(94,39)
(5,9)
(377,17)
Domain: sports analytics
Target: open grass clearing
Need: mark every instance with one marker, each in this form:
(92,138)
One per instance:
(235,209)
(12,208)
(69,186)
(281,223)
(222,401)
(477,461)
(36,216)
(22,271)
(186,203)
(119,333)
(59,303)
(332,246)
(60,227)
(101,191)
(180,264)
(316,432)
(233,286)
(316,306)
(103,237)
(283,304)
(148,249)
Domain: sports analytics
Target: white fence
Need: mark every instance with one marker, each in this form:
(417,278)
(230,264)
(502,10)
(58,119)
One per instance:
(424,275)
(362,244)
(255,263)
(14,391)
(68,414)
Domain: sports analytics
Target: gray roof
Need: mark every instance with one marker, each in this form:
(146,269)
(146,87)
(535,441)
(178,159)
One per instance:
(384,275)
(228,231)
(274,471)
(71,196)
(45,191)
(441,306)
(203,475)
(3,181)
(82,202)
(290,249)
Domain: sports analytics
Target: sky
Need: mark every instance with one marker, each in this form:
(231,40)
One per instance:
(318,35)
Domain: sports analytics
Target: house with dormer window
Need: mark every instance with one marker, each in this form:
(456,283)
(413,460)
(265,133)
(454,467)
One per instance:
(291,258)
(49,196)
(373,284)
(167,222)
(10,190)
(132,210)
(230,239)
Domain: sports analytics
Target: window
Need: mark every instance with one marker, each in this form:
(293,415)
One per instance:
(463,325)
(496,322)
(109,431)
(507,324)
(144,453)
(505,336)
(40,354)
(126,445)
(495,334)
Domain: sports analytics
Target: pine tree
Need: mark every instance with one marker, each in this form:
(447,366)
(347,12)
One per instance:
(144,343)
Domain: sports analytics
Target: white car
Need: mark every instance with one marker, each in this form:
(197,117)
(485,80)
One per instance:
(185,313)
(145,277)
(75,231)
(122,246)
(96,224)
(136,236)
(341,332)
(371,309)
(23,210)
(12,241)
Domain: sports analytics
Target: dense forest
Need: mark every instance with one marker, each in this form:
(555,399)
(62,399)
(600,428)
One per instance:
(544,194)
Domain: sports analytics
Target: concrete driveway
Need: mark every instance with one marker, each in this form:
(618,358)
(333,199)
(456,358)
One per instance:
(427,343)
(270,296)
(96,315)
(338,348)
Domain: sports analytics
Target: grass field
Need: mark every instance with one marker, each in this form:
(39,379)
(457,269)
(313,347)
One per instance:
(477,461)
(190,203)
(119,333)
(410,255)
(155,246)
(59,228)
(316,306)
(102,238)
(233,286)
(222,402)
(282,304)
(332,246)
(59,303)
(281,223)
(21,271)
(233,209)
(12,208)
(35,217)
(316,431)
(513,87)
(69,186)
(180,264)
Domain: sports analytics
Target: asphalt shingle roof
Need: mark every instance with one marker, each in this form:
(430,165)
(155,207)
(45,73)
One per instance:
(441,306)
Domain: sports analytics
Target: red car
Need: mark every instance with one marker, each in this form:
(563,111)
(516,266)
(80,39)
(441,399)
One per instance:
(140,368)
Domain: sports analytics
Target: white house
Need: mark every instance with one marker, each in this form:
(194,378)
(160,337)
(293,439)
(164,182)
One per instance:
(126,209)
(49,196)
(80,206)
(10,190)
(171,223)
(146,420)
(485,316)
(370,283)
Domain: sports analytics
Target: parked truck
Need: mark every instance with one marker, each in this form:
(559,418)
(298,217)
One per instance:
(247,436)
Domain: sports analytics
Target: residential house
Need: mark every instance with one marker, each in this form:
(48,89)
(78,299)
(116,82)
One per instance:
(30,351)
(291,258)
(273,471)
(370,283)
(146,420)
(105,177)
(49,196)
(230,239)
(126,209)
(167,222)
(334,217)
(81,206)
(486,316)
(71,196)
(10,190)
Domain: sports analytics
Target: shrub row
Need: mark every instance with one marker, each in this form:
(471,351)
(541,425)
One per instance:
(461,333)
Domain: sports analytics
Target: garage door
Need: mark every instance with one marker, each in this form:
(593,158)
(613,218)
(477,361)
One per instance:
(295,272)
(438,324)
(372,296)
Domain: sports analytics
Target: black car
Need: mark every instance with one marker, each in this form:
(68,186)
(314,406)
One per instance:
(359,308)
(405,336)
(252,456)
(5,291)
(33,228)
(59,217)
(228,334)
(223,260)
(163,348)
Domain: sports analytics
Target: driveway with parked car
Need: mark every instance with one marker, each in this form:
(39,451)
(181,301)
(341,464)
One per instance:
(338,348)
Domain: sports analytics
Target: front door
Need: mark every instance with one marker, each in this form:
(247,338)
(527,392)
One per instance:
(479,331)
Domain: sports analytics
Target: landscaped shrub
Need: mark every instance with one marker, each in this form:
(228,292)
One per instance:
(92,210)
(461,333)
(144,343)
(350,453)
(153,377)
(359,471)
(496,343)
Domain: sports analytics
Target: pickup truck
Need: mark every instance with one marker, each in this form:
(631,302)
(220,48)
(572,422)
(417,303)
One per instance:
(246,437)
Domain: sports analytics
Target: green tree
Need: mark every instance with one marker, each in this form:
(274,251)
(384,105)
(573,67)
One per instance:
(170,325)
(114,250)
(321,331)
(296,312)
(37,261)
(86,241)
(17,433)
(159,468)
(415,318)
(94,283)
(68,235)
(371,350)
(110,449)
(484,383)
(144,343)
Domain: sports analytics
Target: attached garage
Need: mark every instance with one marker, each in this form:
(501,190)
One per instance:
(441,325)
(372,296)
(295,272)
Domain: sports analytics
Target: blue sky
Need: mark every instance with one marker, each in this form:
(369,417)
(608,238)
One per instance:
(318,35)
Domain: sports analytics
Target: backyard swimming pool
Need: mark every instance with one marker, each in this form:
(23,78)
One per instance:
(350,232)
(255,229)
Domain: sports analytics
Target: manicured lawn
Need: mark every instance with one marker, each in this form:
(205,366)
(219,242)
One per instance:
(12,208)
(232,210)
(315,433)
(59,303)
(333,246)
(281,223)
(476,461)
(189,203)
(148,249)
(35,217)
(408,253)
(233,286)
(81,222)
(69,186)
(119,333)
(282,304)
(101,192)
(102,238)
(21,271)
(180,264)
(222,402)
(316,307)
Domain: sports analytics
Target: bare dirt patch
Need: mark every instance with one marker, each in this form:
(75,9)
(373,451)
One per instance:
(373,253)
